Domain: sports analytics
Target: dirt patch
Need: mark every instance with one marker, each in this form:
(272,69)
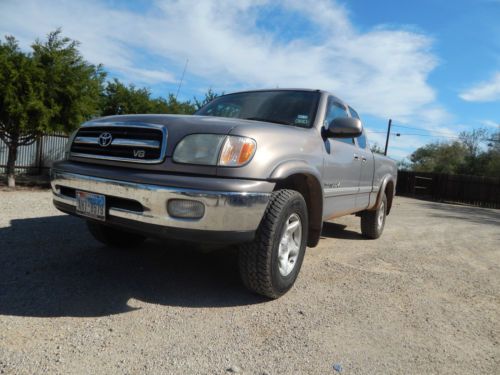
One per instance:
(424,298)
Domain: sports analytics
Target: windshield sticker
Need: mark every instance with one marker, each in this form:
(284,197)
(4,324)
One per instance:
(302,120)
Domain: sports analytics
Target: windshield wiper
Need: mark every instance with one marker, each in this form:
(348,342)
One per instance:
(268,120)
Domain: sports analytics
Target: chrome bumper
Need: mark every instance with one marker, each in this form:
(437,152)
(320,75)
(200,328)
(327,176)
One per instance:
(224,211)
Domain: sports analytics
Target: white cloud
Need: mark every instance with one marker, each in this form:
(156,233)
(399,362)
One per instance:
(487,91)
(492,124)
(382,72)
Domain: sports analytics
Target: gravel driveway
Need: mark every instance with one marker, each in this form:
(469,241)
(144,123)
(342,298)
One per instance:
(423,299)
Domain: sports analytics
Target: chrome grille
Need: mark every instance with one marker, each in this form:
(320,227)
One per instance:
(137,143)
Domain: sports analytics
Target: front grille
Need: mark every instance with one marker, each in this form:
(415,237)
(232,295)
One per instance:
(142,143)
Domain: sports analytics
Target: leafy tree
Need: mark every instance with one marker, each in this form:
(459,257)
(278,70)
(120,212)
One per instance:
(492,156)
(21,101)
(49,89)
(439,157)
(120,99)
(404,165)
(209,96)
(470,155)
(172,105)
(472,140)
(375,148)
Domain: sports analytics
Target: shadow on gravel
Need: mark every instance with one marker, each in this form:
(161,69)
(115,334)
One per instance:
(51,267)
(477,215)
(335,230)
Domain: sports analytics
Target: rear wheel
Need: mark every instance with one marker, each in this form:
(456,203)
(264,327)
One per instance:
(271,263)
(114,237)
(373,222)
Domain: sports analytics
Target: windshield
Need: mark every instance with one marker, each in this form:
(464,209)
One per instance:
(296,108)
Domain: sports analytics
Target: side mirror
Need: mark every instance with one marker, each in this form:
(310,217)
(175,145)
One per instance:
(344,127)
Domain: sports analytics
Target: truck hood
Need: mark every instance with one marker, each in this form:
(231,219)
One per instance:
(275,143)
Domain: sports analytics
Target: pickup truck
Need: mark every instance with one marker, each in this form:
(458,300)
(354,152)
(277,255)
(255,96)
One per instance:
(258,169)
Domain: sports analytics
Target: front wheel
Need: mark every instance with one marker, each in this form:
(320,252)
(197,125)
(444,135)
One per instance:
(373,222)
(114,237)
(271,263)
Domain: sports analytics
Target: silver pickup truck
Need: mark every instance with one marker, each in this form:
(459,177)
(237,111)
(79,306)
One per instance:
(261,169)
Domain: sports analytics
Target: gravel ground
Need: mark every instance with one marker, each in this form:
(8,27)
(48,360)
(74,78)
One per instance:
(423,299)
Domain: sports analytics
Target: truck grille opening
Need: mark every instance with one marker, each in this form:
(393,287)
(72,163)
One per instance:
(133,143)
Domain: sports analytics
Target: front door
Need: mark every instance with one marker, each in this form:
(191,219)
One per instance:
(342,168)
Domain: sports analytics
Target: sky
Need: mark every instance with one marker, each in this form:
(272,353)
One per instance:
(433,67)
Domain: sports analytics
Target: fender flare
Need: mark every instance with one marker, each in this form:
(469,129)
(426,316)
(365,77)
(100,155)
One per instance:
(385,180)
(315,199)
(291,167)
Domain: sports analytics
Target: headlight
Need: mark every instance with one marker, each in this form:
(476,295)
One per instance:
(215,149)
(199,149)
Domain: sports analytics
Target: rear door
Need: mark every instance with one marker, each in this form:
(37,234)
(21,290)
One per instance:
(342,167)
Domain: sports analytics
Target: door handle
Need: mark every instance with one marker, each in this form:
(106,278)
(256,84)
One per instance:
(356,157)
(363,159)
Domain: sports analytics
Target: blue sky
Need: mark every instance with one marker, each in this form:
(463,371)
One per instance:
(429,65)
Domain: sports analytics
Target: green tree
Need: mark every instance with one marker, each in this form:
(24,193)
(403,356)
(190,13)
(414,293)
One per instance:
(21,105)
(439,157)
(209,96)
(374,147)
(172,105)
(119,99)
(474,161)
(49,89)
(492,164)
(477,152)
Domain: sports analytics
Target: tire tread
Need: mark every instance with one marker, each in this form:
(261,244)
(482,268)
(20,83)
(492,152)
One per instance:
(255,257)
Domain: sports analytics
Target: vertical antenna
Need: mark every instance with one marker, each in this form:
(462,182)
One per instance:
(182,78)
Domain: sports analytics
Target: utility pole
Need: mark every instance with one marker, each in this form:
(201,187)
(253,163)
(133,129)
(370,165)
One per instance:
(182,78)
(387,139)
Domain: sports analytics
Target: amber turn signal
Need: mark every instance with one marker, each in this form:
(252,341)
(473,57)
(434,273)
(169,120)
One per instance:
(237,151)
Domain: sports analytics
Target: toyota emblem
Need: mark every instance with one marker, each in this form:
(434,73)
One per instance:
(105,139)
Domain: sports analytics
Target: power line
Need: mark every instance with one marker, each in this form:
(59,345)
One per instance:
(427,135)
(416,134)
(421,129)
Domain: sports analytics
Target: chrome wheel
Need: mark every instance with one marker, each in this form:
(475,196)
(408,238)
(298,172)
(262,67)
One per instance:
(381,215)
(289,246)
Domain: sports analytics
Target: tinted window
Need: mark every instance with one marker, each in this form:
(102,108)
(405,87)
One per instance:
(353,113)
(349,141)
(297,108)
(336,110)
(362,140)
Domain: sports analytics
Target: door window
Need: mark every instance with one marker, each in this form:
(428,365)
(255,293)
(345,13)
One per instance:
(362,140)
(336,110)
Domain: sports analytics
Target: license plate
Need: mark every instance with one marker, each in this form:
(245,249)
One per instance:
(91,205)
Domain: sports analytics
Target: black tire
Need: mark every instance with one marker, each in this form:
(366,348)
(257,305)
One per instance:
(371,227)
(114,237)
(258,260)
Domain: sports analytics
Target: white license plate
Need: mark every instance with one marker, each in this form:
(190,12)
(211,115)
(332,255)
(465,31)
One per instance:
(91,205)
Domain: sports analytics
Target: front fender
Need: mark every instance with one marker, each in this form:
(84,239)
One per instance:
(292,167)
(301,176)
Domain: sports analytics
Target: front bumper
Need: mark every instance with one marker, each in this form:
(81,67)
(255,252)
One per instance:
(229,216)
